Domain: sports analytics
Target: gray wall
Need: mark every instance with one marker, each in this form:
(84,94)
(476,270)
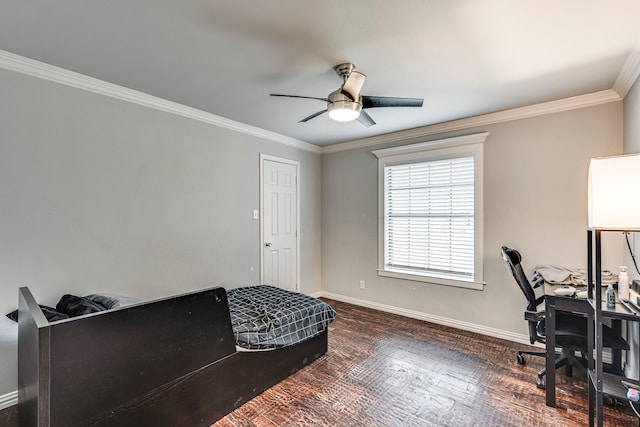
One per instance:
(535,200)
(101,195)
(632,119)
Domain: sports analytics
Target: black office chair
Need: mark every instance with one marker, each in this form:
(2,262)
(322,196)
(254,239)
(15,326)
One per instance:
(571,330)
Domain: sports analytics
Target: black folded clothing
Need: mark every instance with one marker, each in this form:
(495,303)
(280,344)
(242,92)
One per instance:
(50,313)
(72,306)
(107,302)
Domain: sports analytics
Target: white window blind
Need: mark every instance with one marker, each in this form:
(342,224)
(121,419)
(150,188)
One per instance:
(429,218)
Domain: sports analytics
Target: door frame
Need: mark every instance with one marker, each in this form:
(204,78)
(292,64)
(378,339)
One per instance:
(296,163)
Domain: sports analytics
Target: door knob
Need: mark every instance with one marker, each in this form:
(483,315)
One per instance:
(268,245)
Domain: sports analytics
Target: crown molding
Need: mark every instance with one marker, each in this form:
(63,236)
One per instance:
(629,73)
(30,67)
(550,107)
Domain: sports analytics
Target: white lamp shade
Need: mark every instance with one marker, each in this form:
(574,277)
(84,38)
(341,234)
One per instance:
(614,193)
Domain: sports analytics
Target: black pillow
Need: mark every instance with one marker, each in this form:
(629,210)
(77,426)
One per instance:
(50,313)
(72,306)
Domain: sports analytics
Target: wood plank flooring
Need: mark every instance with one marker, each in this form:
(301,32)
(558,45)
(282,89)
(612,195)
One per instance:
(387,370)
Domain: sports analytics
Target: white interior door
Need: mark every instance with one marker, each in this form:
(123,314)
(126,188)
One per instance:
(279,223)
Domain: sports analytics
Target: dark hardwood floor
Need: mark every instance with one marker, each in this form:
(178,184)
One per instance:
(387,370)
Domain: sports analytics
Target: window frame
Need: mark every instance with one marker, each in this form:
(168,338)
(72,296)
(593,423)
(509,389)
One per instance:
(441,149)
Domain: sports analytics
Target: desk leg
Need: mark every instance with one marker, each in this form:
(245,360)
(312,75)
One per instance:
(550,332)
(590,367)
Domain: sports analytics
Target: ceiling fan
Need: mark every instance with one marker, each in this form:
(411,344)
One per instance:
(346,103)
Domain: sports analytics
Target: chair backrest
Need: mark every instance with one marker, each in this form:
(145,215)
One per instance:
(513,260)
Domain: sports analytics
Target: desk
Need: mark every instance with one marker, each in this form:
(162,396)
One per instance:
(582,307)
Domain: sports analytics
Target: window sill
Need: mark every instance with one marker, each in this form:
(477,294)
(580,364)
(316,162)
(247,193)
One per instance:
(432,279)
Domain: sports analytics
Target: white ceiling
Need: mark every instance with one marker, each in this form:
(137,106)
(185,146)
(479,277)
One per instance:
(464,57)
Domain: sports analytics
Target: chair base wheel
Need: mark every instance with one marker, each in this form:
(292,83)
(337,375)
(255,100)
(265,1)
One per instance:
(540,383)
(521,360)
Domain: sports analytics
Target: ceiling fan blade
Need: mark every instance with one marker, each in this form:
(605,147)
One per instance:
(353,84)
(298,96)
(313,116)
(384,101)
(366,119)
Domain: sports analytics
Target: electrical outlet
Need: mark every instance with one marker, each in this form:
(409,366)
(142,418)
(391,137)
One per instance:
(255,214)
(362,285)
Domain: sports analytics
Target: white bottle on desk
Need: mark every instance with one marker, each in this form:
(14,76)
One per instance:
(623,284)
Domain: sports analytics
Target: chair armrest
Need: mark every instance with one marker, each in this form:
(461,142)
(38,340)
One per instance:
(533,316)
(537,280)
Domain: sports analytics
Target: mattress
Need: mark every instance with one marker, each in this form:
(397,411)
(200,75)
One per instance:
(266,317)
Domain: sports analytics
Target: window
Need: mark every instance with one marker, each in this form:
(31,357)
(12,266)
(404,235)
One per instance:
(430,221)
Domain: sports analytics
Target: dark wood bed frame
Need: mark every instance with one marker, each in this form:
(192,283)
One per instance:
(170,362)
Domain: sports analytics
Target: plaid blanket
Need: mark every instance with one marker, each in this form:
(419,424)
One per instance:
(265,317)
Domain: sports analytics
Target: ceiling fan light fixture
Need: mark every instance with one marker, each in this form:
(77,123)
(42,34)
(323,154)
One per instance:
(344,111)
(347,104)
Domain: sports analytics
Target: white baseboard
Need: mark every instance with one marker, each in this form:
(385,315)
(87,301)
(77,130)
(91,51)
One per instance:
(8,400)
(466,326)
